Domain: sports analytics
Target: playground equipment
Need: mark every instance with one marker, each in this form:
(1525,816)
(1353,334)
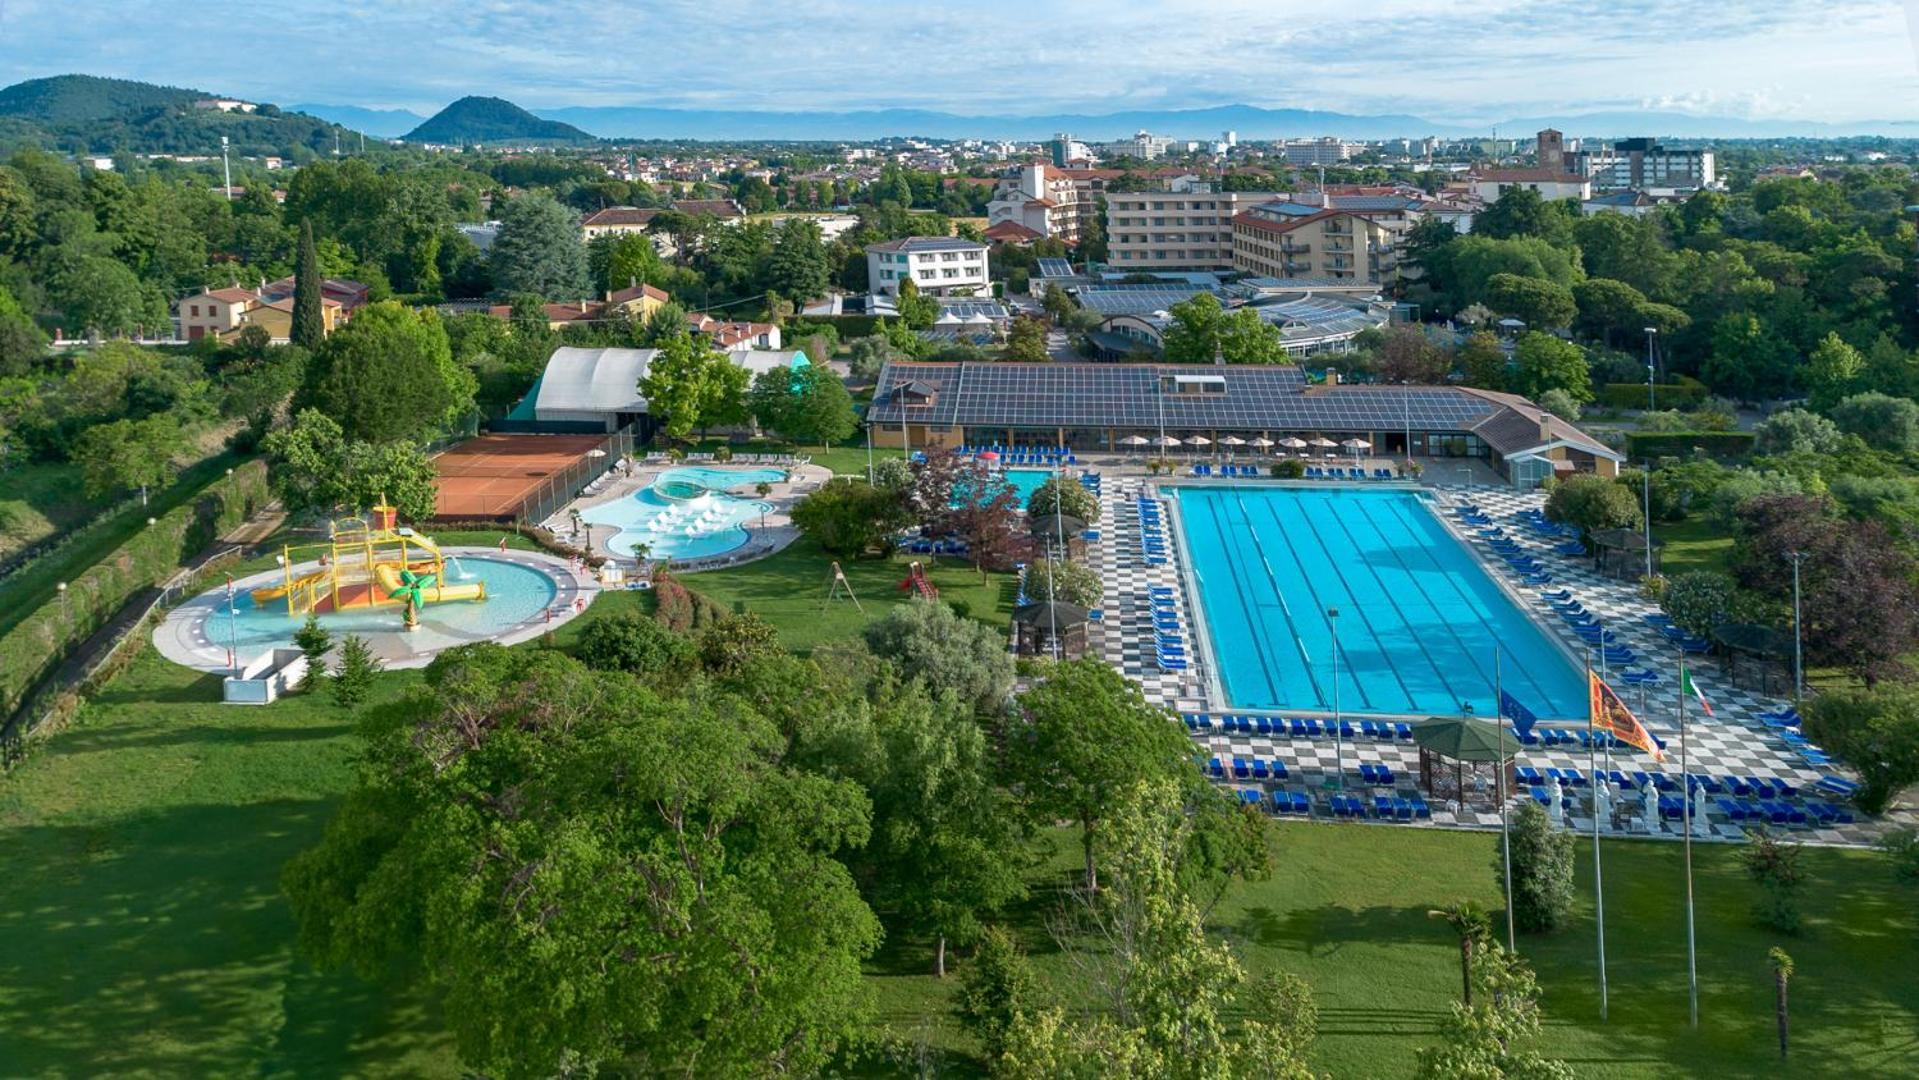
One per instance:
(916,580)
(371,562)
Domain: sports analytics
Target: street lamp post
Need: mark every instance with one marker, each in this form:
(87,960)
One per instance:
(1646,473)
(1651,333)
(1798,635)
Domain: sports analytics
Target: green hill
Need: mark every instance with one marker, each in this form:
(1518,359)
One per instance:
(492,120)
(89,114)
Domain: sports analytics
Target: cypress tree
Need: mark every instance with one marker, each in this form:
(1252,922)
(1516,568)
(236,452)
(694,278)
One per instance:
(309,320)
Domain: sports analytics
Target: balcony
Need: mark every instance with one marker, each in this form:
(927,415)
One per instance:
(1290,248)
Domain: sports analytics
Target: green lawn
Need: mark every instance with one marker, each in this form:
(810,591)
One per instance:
(1693,544)
(847,458)
(789,590)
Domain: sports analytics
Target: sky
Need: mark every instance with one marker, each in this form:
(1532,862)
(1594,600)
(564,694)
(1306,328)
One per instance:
(1825,60)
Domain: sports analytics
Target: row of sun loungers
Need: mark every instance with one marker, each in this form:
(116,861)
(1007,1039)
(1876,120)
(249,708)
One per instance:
(1314,472)
(1152,531)
(1297,727)
(1245,472)
(1169,632)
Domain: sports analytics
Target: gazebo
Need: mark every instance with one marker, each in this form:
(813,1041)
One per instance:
(1048,529)
(1035,625)
(1465,743)
(1760,653)
(1622,552)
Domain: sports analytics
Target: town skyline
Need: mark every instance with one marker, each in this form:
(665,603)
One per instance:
(1509,60)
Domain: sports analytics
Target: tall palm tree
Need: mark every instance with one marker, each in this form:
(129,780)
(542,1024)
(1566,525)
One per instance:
(1470,921)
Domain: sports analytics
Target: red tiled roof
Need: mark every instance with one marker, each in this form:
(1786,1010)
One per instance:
(634,292)
(1011,231)
(619,215)
(231,295)
(725,208)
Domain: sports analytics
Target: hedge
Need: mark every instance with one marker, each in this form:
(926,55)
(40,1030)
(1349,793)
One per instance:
(148,558)
(1667,395)
(847,327)
(1641,445)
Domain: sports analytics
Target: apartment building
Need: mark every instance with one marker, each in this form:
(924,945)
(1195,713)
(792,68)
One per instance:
(1642,163)
(1325,150)
(939,265)
(1144,145)
(1295,240)
(1175,230)
(1053,202)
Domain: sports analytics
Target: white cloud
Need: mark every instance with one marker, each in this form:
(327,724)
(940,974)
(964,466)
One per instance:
(1839,60)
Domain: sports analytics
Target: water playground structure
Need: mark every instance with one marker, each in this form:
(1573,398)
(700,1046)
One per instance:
(367,563)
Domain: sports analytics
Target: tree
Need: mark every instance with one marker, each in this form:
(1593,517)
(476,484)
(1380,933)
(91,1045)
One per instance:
(1782,970)
(1522,212)
(1063,495)
(128,454)
(1072,583)
(962,497)
(1474,926)
(389,374)
(1488,1039)
(1749,359)
(1406,355)
(314,642)
(1834,372)
(1883,421)
(399,472)
(821,410)
(306,457)
(689,386)
(736,641)
(1774,866)
(1026,341)
(867,355)
(539,250)
(97,294)
(916,311)
(623,260)
(309,294)
(1540,304)
(21,342)
(1592,503)
(354,677)
(930,641)
(849,517)
(1608,308)
(608,879)
(1246,338)
(798,267)
(1796,431)
(1192,337)
(1542,858)
(1089,737)
(1875,730)
(946,848)
(1543,362)
(996,989)
(1560,403)
(1484,362)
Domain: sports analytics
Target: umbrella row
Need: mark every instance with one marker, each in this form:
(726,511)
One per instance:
(1234,440)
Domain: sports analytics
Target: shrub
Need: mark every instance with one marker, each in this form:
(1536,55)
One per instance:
(314,641)
(848,517)
(1288,469)
(1774,866)
(1072,582)
(928,639)
(1793,431)
(1883,421)
(1657,444)
(1626,395)
(1592,502)
(995,989)
(1542,858)
(1876,731)
(1699,600)
(637,645)
(353,679)
(731,642)
(1902,847)
(1063,494)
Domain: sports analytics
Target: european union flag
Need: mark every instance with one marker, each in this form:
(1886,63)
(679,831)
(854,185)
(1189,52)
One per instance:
(1522,717)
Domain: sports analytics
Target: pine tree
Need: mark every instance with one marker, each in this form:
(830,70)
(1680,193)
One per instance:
(309,318)
(353,679)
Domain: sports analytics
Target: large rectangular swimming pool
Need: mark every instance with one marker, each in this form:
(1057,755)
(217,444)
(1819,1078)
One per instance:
(1419,619)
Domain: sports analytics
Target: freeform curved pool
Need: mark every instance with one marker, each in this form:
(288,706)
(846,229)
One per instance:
(684,515)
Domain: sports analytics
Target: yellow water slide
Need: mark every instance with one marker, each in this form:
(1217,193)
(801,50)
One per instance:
(266,594)
(387,576)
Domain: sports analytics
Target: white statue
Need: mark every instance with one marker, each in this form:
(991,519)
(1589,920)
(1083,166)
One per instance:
(1555,809)
(1700,826)
(1648,807)
(1602,803)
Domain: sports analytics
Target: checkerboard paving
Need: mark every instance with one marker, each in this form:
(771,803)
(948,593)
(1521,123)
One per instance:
(1734,741)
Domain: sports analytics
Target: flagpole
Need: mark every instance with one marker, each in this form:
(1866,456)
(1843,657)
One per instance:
(1692,965)
(1505,832)
(1599,882)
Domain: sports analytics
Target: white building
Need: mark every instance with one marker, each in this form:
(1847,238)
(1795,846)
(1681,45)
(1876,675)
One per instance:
(1489,184)
(1324,150)
(1175,230)
(1642,163)
(939,265)
(1044,201)
(1143,145)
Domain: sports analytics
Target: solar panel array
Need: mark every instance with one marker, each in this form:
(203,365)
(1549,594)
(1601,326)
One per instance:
(1055,268)
(1129,396)
(962,307)
(1135,299)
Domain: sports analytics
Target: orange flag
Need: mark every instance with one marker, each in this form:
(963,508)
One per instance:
(1609,713)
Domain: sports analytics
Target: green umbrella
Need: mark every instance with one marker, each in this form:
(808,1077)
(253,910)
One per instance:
(1465,738)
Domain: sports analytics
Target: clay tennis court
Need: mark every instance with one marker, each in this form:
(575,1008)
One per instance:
(492,475)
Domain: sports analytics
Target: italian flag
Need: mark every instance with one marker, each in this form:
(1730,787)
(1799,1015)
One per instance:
(1686,684)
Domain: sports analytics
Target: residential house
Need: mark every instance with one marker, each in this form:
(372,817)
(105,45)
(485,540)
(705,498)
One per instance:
(212,312)
(939,265)
(636,302)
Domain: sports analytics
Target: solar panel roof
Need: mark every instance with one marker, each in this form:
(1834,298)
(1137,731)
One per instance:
(1257,398)
(1055,268)
(1135,299)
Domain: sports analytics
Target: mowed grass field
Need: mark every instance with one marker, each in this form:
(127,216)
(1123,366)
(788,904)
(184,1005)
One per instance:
(142,928)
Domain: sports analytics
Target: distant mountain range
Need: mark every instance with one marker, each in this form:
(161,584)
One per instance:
(379,123)
(492,120)
(90,114)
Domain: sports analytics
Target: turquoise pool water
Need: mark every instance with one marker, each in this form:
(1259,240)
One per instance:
(716,479)
(677,528)
(514,594)
(1025,481)
(1419,618)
